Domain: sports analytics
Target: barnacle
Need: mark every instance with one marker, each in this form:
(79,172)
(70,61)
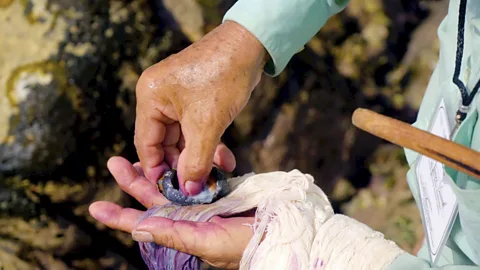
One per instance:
(215,188)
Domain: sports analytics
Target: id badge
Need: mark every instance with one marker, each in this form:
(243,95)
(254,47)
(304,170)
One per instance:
(438,202)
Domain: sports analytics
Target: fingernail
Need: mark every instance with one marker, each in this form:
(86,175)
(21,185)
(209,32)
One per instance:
(141,236)
(193,188)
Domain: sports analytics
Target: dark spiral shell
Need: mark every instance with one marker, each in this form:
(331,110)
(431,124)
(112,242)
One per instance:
(215,188)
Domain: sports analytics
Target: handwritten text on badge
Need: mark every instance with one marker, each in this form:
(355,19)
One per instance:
(439,204)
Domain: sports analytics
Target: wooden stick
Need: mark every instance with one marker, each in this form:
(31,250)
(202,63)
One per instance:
(454,155)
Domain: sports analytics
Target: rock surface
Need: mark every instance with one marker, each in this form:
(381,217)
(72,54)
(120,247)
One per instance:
(58,73)
(68,71)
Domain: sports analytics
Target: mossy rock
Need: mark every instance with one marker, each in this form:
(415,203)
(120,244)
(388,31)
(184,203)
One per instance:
(60,81)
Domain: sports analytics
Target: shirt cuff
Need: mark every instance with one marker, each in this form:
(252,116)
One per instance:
(283,26)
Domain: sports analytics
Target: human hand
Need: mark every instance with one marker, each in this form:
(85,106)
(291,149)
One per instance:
(186,102)
(227,237)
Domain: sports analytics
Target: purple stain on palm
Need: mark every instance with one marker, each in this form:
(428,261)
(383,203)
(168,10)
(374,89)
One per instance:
(158,257)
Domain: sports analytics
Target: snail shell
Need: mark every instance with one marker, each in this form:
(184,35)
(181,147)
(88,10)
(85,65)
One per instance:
(215,188)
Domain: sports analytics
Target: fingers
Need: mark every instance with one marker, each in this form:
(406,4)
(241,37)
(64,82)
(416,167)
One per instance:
(224,158)
(184,236)
(114,216)
(139,169)
(230,235)
(152,129)
(170,147)
(130,181)
(202,136)
(172,155)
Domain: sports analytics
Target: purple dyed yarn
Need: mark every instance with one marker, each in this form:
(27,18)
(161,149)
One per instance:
(158,257)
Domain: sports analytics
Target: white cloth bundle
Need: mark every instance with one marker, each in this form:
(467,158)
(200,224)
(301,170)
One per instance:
(297,224)
(301,229)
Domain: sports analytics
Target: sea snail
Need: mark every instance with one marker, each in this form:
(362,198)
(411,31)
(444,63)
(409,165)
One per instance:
(215,188)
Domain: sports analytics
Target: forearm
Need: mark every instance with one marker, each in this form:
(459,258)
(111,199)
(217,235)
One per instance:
(283,26)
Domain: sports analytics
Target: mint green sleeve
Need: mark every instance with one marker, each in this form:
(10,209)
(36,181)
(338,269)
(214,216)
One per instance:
(283,26)
(462,250)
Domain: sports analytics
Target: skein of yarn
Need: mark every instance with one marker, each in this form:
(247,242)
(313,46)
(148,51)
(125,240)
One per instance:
(295,220)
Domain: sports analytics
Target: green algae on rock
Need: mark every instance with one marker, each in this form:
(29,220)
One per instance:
(40,132)
(59,71)
(67,102)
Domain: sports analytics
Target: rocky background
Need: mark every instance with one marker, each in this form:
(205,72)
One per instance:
(67,75)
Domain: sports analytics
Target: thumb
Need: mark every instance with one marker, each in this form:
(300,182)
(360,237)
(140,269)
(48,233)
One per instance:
(179,235)
(202,136)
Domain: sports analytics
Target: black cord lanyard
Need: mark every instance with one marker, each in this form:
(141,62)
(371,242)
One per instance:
(466,98)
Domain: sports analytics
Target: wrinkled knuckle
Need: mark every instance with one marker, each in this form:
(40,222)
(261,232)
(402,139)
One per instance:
(148,80)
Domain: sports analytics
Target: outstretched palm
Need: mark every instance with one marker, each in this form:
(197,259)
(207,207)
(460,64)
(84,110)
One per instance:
(227,237)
